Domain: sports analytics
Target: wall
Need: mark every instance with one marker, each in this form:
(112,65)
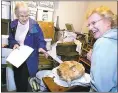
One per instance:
(93,4)
(111,4)
(75,11)
(70,12)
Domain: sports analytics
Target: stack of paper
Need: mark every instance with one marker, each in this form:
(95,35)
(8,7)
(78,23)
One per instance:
(19,55)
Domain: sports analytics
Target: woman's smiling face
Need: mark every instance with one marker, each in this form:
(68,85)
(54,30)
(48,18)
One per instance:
(98,25)
(23,15)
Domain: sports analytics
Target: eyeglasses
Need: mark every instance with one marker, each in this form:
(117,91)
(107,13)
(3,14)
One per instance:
(21,16)
(94,22)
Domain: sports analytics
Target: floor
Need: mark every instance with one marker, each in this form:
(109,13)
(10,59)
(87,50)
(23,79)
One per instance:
(3,88)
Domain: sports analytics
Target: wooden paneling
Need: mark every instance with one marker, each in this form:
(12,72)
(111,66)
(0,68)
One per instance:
(45,63)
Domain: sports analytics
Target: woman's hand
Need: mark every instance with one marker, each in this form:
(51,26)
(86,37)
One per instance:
(4,45)
(89,54)
(44,52)
(46,55)
(16,46)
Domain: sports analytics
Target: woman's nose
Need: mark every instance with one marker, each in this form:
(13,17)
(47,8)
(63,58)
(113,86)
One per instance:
(90,27)
(24,19)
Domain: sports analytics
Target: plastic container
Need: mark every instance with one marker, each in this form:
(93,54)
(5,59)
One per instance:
(48,44)
(5,39)
(6,14)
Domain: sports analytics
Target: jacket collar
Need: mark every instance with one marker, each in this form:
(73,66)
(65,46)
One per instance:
(14,23)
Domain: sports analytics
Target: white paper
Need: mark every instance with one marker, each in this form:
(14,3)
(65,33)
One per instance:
(18,56)
(79,45)
(53,53)
(5,54)
(69,36)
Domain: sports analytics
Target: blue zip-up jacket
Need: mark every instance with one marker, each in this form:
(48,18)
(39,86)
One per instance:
(104,63)
(34,39)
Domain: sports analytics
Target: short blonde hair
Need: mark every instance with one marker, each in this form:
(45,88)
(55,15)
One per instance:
(20,4)
(105,12)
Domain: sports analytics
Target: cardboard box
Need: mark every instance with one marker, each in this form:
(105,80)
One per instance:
(48,29)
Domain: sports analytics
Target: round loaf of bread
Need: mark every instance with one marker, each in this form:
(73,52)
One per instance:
(70,70)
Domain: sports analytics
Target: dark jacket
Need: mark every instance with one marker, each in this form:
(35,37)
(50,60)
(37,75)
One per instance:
(34,39)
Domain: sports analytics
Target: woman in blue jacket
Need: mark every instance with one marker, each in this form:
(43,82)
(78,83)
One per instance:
(25,31)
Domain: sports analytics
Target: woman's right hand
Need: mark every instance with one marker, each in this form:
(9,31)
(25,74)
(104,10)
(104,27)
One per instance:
(16,46)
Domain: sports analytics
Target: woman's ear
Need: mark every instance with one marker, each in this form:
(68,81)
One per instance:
(108,22)
(16,13)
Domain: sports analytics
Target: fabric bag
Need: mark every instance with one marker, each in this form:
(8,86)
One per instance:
(10,78)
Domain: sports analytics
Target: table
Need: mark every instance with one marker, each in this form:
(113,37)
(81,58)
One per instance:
(53,87)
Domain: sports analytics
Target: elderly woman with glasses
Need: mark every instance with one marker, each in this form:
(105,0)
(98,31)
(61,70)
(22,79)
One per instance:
(26,31)
(103,23)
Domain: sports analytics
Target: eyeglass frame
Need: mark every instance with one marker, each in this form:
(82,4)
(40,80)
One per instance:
(21,16)
(94,22)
